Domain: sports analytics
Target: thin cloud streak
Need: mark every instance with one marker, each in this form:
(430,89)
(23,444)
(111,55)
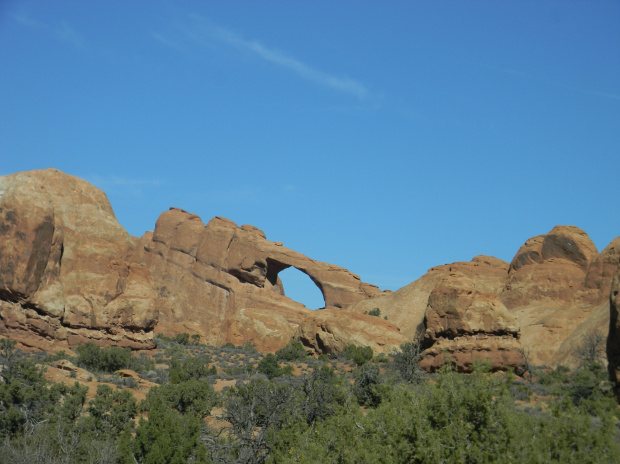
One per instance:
(535,78)
(272,55)
(63,32)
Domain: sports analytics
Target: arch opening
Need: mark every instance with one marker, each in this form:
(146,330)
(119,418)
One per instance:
(299,287)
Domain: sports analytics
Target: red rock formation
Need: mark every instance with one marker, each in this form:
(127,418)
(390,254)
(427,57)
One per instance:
(456,309)
(406,307)
(65,275)
(549,268)
(235,271)
(70,273)
(556,288)
(613,340)
(465,324)
(330,330)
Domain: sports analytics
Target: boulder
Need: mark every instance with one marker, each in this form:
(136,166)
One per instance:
(330,330)
(406,307)
(464,323)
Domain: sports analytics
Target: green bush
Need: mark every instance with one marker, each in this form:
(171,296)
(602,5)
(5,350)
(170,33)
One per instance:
(269,366)
(109,359)
(374,312)
(360,355)
(294,351)
(183,369)
(196,397)
(368,387)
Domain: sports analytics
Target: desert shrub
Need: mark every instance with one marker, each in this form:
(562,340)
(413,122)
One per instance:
(324,393)
(255,410)
(374,312)
(244,370)
(109,359)
(294,351)
(183,369)
(456,418)
(196,397)
(269,366)
(141,363)
(50,358)
(168,437)
(26,399)
(360,355)
(111,411)
(368,387)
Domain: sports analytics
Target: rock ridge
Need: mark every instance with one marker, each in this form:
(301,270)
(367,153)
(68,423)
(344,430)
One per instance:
(69,273)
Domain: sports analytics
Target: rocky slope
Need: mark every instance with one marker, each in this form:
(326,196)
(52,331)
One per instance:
(70,273)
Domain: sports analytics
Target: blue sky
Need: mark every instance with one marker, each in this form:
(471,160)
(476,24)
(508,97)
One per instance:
(385,137)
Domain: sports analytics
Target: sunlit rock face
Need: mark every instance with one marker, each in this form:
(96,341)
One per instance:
(65,269)
(69,273)
(221,281)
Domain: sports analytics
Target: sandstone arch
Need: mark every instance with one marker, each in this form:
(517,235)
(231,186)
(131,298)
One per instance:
(299,286)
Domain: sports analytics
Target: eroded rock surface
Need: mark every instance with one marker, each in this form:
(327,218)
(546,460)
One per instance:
(69,273)
(613,341)
(221,281)
(557,288)
(330,330)
(465,323)
(64,268)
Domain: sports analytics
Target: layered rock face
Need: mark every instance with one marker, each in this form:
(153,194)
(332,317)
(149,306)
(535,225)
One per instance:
(613,341)
(330,330)
(558,289)
(465,324)
(69,273)
(555,290)
(221,281)
(65,272)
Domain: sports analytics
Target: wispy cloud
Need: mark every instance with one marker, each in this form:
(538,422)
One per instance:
(63,32)
(274,56)
(25,20)
(541,80)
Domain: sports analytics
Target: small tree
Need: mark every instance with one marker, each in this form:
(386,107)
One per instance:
(407,362)
(269,366)
(591,350)
(367,387)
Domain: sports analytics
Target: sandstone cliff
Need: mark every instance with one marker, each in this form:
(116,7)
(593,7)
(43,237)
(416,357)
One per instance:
(70,273)
(553,293)
(65,272)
